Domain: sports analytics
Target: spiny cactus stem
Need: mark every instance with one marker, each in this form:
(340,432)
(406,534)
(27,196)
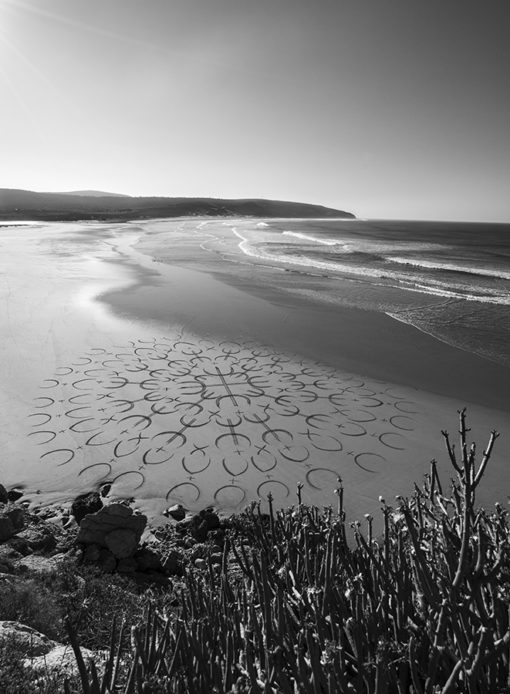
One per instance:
(271,516)
(78,655)
(451,451)
(463,431)
(435,477)
(339,491)
(486,457)
(370,522)
(450,684)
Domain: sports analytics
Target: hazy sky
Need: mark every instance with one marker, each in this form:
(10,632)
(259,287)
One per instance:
(386,108)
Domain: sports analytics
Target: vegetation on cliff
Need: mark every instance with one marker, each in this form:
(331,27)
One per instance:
(25,204)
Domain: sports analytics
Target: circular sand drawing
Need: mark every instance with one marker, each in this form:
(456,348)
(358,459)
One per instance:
(202,422)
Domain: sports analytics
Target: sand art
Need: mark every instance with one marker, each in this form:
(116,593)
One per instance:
(215,423)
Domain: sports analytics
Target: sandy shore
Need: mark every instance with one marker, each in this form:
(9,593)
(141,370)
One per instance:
(210,380)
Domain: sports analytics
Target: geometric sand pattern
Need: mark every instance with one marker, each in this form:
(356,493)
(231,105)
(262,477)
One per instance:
(200,422)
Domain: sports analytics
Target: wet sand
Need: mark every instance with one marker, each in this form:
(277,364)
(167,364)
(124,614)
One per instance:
(127,364)
(291,310)
(364,342)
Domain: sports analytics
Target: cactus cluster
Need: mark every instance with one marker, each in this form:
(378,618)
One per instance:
(307,603)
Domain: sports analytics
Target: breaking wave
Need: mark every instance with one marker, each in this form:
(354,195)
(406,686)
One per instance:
(464,269)
(417,283)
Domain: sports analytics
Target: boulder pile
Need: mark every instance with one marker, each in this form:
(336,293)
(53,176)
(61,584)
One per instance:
(110,538)
(115,527)
(94,532)
(106,533)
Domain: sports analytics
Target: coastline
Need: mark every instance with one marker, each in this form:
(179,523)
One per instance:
(232,305)
(377,435)
(264,300)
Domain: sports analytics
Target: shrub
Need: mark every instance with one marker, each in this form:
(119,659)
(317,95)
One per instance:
(32,603)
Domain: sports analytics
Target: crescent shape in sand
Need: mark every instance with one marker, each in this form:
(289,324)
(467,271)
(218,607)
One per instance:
(185,484)
(273,482)
(130,472)
(60,450)
(142,419)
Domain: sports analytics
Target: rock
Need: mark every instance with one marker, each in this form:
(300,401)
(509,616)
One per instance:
(60,659)
(6,528)
(200,531)
(106,561)
(127,566)
(19,545)
(7,552)
(212,519)
(14,494)
(42,653)
(17,516)
(176,512)
(4,497)
(200,525)
(36,564)
(200,564)
(31,641)
(69,522)
(148,560)
(8,556)
(85,504)
(37,539)
(92,553)
(121,542)
(96,527)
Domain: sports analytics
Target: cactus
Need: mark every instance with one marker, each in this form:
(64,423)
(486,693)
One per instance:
(423,610)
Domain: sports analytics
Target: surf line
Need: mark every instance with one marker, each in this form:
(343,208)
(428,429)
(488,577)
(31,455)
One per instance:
(395,279)
(305,237)
(465,269)
(245,247)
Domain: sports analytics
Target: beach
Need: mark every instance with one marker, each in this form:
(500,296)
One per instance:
(178,361)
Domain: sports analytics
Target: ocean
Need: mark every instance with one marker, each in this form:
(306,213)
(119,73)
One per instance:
(450,280)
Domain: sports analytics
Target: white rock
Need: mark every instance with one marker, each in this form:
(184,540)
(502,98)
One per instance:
(44,654)
(33,642)
(61,659)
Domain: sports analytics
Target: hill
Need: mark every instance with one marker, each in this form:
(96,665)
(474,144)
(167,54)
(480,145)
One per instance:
(25,204)
(94,194)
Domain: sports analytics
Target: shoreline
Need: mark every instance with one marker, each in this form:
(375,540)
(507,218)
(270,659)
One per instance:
(442,367)
(441,377)
(232,347)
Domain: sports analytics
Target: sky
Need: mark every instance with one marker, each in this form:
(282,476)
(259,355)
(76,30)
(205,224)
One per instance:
(385,108)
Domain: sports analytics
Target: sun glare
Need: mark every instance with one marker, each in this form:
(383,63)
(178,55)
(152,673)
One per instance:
(20,76)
